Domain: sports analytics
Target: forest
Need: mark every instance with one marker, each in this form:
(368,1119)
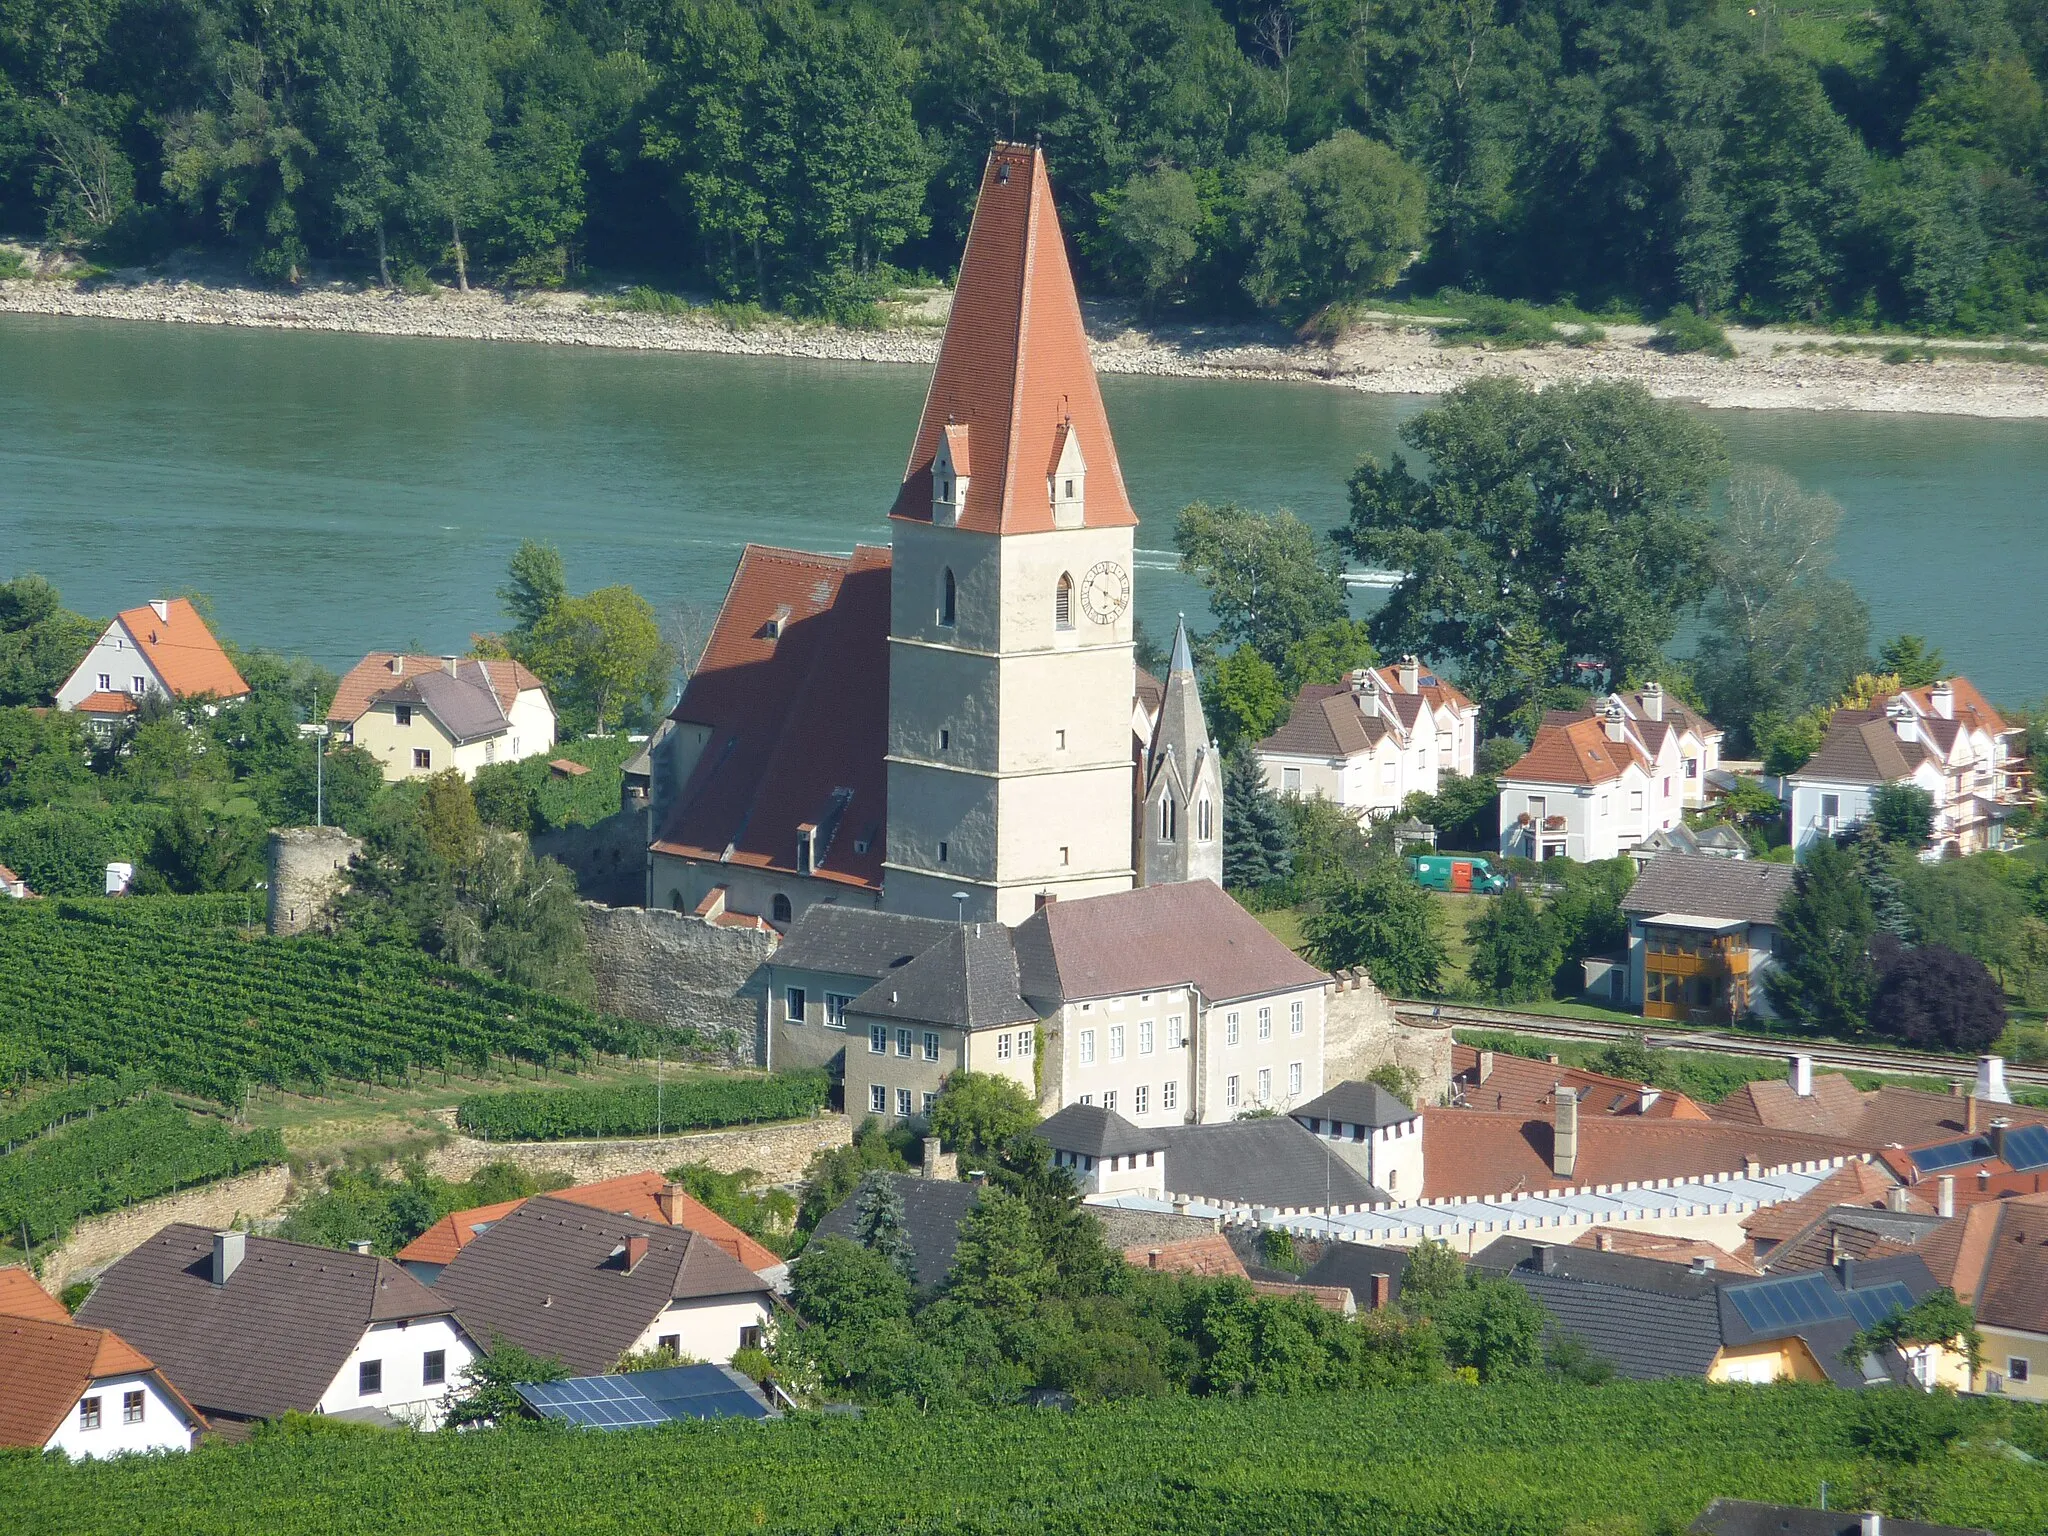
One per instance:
(1213,157)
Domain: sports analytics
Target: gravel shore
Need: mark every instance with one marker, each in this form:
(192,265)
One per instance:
(1772,369)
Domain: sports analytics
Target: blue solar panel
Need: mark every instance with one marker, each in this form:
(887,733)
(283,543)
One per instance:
(1951,1154)
(1775,1306)
(1872,1304)
(643,1398)
(2026,1147)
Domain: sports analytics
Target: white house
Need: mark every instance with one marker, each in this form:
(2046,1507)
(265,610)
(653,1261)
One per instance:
(420,715)
(164,648)
(1104,1153)
(1371,741)
(1375,1131)
(1593,785)
(253,1327)
(84,1391)
(1944,737)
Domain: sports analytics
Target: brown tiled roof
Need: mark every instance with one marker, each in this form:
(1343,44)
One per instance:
(1861,748)
(21,1295)
(1578,753)
(636,1194)
(1210,1255)
(1857,1183)
(1521,1086)
(796,725)
(361,684)
(2001,1262)
(1890,1116)
(270,1340)
(549,1277)
(1971,707)
(1431,686)
(1014,367)
(1479,1152)
(107,703)
(1326,722)
(1960,1251)
(1152,938)
(1331,1298)
(1671,1250)
(1677,713)
(183,651)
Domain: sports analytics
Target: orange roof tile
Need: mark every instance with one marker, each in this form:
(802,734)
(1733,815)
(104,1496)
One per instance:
(1014,367)
(47,1365)
(1578,753)
(1857,1183)
(1671,1250)
(373,674)
(1528,1087)
(107,703)
(182,650)
(1971,707)
(1211,1255)
(1331,1298)
(22,1295)
(1888,1116)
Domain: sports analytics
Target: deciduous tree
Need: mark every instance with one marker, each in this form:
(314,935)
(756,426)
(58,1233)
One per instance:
(1268,580)
(1384,922)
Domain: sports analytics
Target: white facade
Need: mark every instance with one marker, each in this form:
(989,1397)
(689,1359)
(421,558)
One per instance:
(409,743)
(1173,1058)
(1388,1156)
(408,1369)
(1409,731)
(1130,1173)
(1597,812)
(707,1331)
(123,1415)
(115,664)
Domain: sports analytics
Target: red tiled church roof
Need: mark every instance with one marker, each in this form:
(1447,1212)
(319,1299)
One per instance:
(1014,368)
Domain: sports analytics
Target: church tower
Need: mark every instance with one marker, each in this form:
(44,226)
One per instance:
(1010,659)
(1182,834)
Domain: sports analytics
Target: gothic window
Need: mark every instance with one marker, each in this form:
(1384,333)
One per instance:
(1063,603)
(778,909)
(946,600)
(1205,819)
(1168,819)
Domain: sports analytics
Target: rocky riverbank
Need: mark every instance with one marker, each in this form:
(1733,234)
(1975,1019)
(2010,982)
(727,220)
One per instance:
(1772,369)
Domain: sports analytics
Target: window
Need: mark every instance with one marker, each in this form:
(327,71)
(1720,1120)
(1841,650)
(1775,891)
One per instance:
(88,1413)
(942,853)
(490,751)
(931,1101)
(878,1039)
(141,685)
(1175,1037)
(1059,741)
(931,1045)
(903,1103)
(779,910)
(1063,603)
(878,1099)
(1065,855)
(106,682)
(1205,820)
(1087,1047)
(1294,1017)
(1294,1079)
(836,1004)
(370,1377)
(1003,1046)
(1230,1091)
(793,1005)
(1025,1038)
(2017,1367)
(1635,797)
(947,609)
(1830,807)
(1265,1084)
(131,1407)
(1168,819)
(1087,1098)
(902,1042)
(1070,490)
(401,714)
(1231,1030)
(1290,781)
(945,741)
(1265,1023)
(434,1367)
(1109,1099)
(1692,767)
(1145,1037)
(1169,1095)
(1141,1099)
(1538,806)
(1116,1042)
(422,757)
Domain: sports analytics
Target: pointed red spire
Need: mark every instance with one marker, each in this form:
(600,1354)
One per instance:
(1014,368)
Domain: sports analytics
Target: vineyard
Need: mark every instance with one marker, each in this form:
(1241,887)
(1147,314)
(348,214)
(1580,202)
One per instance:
(544,1114)
(174,990)
(1516,1460)
(117,1158)
(47,1111)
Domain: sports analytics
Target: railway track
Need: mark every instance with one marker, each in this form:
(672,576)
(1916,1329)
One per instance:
(1856,1058)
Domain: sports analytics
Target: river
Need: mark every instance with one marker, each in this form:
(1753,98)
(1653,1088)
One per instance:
(334,493)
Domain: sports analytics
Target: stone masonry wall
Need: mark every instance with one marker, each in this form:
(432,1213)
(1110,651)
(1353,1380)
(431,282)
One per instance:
(308,868)
(1363,1032)
(779,1152)
(98,1241)
(608,858)
(672,969)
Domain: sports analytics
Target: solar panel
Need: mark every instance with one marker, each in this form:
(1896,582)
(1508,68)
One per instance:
(644,1398)
(2027,1147)
(1951,1154)
(1792,1302)
(1872,1304)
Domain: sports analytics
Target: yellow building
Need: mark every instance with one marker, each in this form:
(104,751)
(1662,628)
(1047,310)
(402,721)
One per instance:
(421,715)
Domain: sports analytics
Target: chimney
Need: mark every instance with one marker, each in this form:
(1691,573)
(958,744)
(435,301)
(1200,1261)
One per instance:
(1180,1205)
(1382,1290)
(1945,1196)
(1957,1088)
(1802,1076)
(1617,722)
(228,1248)
(1152,1258)
(1410,673)
(1650,1096)
(1604,1240)
(1845,1266)
(1973,1115)
(1551,1058)
(636,1250)
(1752,1166)
(1991,1079)
(1564,1143)
(1998,1129)
(1485,1065)
(448,665)
(1653,700)
(931,1157)
(1895,1199)
(396,666)
(360,1245)
(1700,1264)
(1870,1523)
(1836,1253)
(669,1201)
(1367,693)
(1905,725)
(1544,1257)
(162,605)
(1943,697)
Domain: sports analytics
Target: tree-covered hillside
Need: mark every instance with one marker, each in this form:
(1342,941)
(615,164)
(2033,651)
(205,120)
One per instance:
(1765,161)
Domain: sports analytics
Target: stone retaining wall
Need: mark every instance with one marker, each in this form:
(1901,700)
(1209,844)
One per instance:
(672,969)
(98,1241)
(1363,1032)
(779,1152)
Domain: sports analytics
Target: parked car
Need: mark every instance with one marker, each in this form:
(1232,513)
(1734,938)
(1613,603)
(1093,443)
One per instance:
(1456,872)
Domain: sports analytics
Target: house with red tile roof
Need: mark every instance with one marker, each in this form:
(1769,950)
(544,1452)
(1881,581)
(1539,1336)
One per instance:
(13,886)
(1593,784)
(1994,1256)
(1374,739)
(951,727)
(1505,1083)
(422,715)
(163,647)
(84,1391)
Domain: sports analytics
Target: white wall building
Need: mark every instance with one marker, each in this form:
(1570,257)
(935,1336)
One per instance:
(1373,740)
(163,648)
(1591,786)
(422,715)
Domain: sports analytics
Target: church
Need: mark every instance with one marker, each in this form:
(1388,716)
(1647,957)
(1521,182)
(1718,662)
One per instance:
(951,726)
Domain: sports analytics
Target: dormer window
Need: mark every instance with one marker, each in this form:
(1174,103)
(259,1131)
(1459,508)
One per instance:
(1067,484)
(950,475)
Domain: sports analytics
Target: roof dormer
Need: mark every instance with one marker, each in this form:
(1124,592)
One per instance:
(950,473)
(1068,483)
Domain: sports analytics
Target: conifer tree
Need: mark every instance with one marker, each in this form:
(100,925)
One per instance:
(881,1222)
(1256,845)
(1824,977)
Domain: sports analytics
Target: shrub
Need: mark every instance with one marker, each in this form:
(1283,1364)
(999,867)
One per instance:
(1501,324)
(1937,998)
(1685,330)
(638,1109)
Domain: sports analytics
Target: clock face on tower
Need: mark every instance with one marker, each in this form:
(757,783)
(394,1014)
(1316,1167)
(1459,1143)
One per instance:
(1105,592)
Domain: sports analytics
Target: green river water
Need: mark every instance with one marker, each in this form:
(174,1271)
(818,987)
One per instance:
(336,493)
